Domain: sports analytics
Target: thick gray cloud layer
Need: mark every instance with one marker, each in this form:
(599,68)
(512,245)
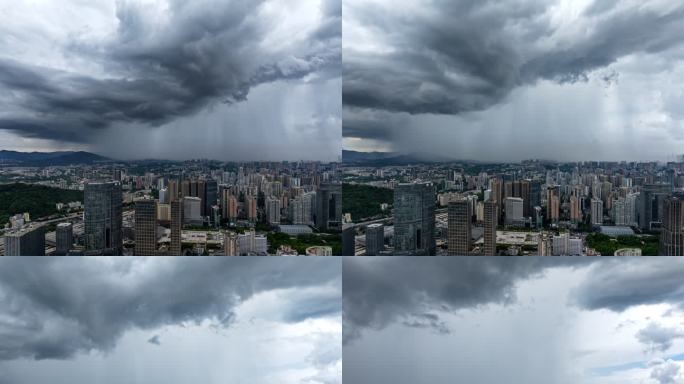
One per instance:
(456,57)
(163,61)
(385,290)
(53,309)
(617,286)
(381,291)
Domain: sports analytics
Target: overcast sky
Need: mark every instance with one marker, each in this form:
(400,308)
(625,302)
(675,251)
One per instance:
(513,320)
(224,79)
(512,80)
(170,320)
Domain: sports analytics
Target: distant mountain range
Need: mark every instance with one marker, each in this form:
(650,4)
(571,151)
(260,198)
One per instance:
(390,158)
(41,159)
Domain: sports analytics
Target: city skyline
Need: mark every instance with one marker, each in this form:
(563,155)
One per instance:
(556,80)
(163,208)
(134,320)
(391,158)
(165,79)
(529,208)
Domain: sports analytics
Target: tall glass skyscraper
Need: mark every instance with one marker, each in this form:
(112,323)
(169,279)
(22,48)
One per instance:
(458,227)
(146,227)
(210,197)
(414,219)
(64,236)
(375,239)
(175,247)
(672,238)
(490,221)
(329,203)
(103,218)
(650,205)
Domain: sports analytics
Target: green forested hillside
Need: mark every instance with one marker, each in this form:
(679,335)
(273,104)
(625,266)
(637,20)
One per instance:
(363,201)
(37,200)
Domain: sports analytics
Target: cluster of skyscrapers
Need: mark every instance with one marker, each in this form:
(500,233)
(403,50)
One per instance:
(454,213)
(223,206)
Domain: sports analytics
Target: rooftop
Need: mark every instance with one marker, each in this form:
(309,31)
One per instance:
(616,230)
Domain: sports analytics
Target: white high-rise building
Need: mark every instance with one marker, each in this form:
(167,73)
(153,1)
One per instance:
(564,245)
(192,210)
(596,211)
(560,244)
(596,189)
(249,243)
(273,210)
(301,209)
(624,210)
(514,210)
(574,247)
(163,196)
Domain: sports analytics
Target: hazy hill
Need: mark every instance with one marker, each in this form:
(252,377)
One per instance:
(38,159)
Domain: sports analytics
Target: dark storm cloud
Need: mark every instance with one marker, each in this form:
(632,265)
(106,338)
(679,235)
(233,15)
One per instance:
(313,305)
(428,321)
(378,292)
(377,125)
(617,286)
(456,39)
(451,57)
(55,308)
(468,55)
(206,52)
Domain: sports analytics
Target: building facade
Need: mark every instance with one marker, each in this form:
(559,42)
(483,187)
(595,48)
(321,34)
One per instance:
(414,219)
(64,238)
(103,218)
(490,222)
(27,241)
(596,211)
(375,239)
(329,207)
(514,210)
(175,247)
(672,236)
(145,227)
(192,211)
(458,228)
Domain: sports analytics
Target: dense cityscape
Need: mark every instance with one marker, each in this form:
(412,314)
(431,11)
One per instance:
(530,208)
(198,207)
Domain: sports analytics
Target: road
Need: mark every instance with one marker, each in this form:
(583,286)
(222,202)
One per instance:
(439,212)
